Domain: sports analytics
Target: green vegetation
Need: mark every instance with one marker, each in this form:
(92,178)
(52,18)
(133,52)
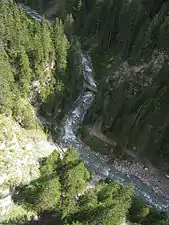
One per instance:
(60,184)
(128,43)
(50,196)
(24,114)
(63,188)
(39,64)
(18,214)
(140,214)
(61,46)
(107,203)
(29,51)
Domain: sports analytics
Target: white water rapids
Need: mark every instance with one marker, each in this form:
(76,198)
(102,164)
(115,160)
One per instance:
(95,162)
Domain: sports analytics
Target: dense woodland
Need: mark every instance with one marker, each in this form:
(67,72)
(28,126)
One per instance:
(128,41)
(129,44)
(133,103)
(64,188)
(34,58)
(134,109)
(60,184)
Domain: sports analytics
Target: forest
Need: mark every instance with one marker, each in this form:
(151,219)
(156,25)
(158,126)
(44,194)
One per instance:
(64,188)
(34,58)
(129,48)
(39,67)
(128,44)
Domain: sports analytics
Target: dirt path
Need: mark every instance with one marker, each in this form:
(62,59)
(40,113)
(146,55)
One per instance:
(144,171)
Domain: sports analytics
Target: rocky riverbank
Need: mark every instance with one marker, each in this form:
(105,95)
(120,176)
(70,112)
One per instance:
(148,175)
(131,165)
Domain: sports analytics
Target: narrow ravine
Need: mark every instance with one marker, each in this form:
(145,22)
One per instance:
(95,162)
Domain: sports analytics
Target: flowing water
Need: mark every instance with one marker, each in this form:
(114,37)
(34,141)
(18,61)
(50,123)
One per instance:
(95,162)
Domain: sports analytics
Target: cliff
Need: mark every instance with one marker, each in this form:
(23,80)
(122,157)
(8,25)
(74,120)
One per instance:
(20,152)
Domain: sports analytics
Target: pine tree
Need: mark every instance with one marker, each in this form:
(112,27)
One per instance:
(24,73)
(69,23)
(3,12)
(6,83)
(138,211)
(49,197)
(106,204)
(61,46)
(48,48)
(74,176)
(38,53)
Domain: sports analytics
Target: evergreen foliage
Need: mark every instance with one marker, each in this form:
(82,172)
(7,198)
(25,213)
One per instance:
(74,177)
(61,45)
(141,214)
(50,196)
(24,114)
(107,203)
(29,51)
(138,211)
(62,186)
(129,38)
(49,165)
(6,84)
(129,30)
(24,73)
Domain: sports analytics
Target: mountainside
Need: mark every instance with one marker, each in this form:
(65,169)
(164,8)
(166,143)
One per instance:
(129,47)
(42,71)
(20,152)
(27,77)
(128,41)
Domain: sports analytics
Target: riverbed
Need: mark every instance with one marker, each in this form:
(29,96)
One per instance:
(98,164)
(95,162)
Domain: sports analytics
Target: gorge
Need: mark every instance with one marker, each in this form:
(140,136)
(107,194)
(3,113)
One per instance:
(94,161)
(115,96)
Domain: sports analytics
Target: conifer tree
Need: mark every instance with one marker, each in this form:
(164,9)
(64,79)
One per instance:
(6,83)
(48,48)
(74,176)
(24,73)
(49,196)
(38,53)
(61,46)
(107,204)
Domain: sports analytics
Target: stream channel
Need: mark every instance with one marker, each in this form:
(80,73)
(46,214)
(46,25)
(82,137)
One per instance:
(94,161)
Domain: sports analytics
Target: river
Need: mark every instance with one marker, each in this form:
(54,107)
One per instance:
(95,162)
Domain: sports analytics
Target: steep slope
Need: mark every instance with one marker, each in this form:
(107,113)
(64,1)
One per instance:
(129,47)
(128,42)
(20,152)
(27,77)
(103,215)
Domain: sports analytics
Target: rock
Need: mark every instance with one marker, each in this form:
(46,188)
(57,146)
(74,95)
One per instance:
(36,218)
(134,148)
(111,150)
